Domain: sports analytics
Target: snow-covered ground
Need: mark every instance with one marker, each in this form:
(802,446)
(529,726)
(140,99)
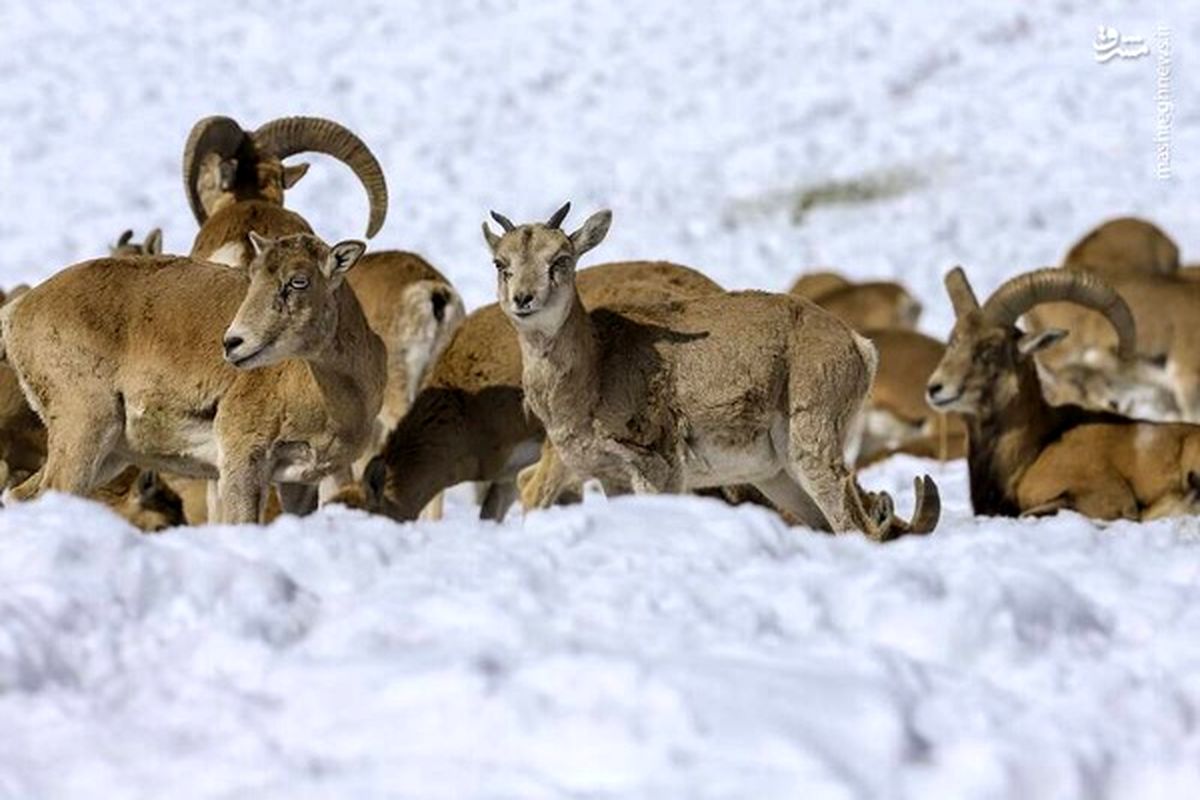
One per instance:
(648,647)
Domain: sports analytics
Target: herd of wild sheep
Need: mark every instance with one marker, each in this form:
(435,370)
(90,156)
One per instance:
(269,372)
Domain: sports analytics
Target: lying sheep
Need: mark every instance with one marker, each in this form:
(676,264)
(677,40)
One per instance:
(1027,457)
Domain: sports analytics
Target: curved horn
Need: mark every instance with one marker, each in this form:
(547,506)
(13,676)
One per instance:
(503,221)
(210,135)
(962,297)
(556,219)
(288,136)
(1052,285)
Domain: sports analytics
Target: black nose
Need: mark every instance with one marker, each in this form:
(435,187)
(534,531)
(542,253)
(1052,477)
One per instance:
(522,300)
(934,389)
(232,343)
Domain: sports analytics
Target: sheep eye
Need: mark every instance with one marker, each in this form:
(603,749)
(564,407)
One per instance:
(499,265)
(561,264)
(298,282)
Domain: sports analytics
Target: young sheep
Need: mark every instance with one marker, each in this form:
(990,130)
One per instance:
(740,387)
(1029,457)
(235,180)
(245,376)
(468,422)
(125,246)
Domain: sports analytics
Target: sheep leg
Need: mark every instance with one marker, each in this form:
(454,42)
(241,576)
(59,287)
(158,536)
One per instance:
(242,487)
(434,509)
(787,496)
(496,502)
(76,451)
(541,484)
(1107,499)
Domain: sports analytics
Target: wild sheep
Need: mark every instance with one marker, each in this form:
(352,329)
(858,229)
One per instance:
(1142,264)
(870,305)
(468,422)
(740,387)
(897,418)
(139,496)
(1125,244)
(125,246)
(415,311)
(144,499)
(1027,457)
(235,180)
(244,376)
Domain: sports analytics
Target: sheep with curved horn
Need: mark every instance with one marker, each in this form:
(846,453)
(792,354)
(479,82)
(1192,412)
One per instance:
(235,179)
(1027,457)
(1142,264)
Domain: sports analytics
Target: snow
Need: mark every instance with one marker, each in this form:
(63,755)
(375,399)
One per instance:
(645,647)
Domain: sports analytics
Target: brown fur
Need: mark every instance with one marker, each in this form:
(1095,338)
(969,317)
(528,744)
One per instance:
(1028,457)
(123,360)
(141,498)
(1164,309)
(1142,263)
(743,387)
(468,423)
(870,305)
(1125,244)
(225,233)
(813,285)
(899,420)
(414,309)
(144,499)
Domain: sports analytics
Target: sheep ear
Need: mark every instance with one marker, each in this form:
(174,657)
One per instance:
(258,243)
(293,174)
(490,237)
(228,173)
(592,233)
(124,238)
(1031,343)
(343,256)
(153,245)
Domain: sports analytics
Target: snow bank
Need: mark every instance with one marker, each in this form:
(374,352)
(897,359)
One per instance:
(644,647)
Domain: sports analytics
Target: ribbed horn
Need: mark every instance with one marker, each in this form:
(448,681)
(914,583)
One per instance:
(962,297)
(503,221)
(556,219)
(210,135)
(288,136)
(1054,285)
